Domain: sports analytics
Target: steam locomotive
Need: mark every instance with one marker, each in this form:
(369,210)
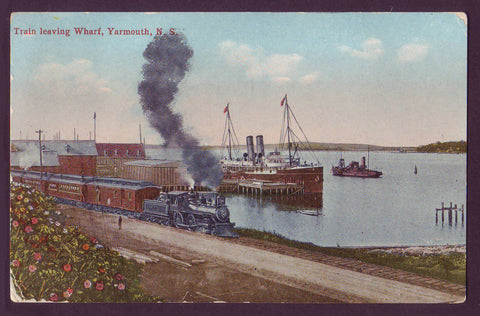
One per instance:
(196,211)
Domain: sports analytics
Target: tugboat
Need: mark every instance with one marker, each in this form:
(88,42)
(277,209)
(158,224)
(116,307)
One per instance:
(276,166)
(354,169)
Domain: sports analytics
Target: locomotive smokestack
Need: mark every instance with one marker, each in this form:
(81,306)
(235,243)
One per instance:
(363,162)
(260,146)
(250,150)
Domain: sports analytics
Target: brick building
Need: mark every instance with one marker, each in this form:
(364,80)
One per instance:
(112,157)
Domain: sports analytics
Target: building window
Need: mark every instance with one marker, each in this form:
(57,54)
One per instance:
(116,152)
(138,152)
(105,153)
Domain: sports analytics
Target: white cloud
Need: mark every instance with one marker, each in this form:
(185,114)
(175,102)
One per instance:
(75,78)
(372,48)
(256,63)
(281,80)
(412,52)
(310,78)
(281,64)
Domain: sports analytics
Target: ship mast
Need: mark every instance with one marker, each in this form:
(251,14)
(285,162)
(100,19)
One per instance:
(229,134)
(289,134)
(287,113)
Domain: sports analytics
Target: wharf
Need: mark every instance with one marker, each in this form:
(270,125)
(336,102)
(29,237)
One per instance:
(260,187)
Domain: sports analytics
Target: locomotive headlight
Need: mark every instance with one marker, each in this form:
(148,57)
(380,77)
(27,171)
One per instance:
(222,214)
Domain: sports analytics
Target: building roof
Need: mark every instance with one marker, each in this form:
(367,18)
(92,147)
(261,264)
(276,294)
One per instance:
(60,147)
(154,163)
(120,150)
(26,154)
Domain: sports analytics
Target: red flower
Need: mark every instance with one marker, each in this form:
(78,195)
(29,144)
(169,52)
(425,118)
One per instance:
(53,297)
(32,268)
(34,220)
(15,224)
(67,267)
(19,197)
(99,286)
(101,270)
(68,292)
(121,286)
(87,284)
(43,239)
(37,256)
(85,247)
(16,263)
(28,229)
(119,277)
(93,240)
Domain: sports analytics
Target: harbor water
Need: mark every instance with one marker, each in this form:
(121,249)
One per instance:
(397,209)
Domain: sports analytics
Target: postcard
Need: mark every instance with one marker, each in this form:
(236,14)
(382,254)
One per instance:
(238,157)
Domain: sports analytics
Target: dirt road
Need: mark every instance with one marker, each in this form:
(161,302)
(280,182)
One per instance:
(307,280)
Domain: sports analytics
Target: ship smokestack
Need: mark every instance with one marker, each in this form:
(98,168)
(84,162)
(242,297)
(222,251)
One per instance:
(260,147)
(250,150)
(363,163)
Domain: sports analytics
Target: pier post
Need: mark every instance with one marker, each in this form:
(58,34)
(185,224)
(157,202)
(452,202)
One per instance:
(462,214)
(436,216)
(443,215)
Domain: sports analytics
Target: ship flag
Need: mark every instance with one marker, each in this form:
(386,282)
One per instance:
(226,108)
(283,100)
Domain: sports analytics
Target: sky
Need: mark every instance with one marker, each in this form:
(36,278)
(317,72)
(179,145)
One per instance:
(392,79)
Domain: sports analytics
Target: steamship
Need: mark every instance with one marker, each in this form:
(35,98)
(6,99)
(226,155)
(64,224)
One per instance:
(281,166)
(354,169)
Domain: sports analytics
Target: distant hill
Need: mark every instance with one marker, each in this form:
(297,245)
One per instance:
(446,147)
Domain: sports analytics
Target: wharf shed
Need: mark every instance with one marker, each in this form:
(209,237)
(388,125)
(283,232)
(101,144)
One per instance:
(58,156)
(164,173)
(112,157)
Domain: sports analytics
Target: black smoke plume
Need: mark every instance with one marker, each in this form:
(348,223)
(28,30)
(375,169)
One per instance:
(167,59)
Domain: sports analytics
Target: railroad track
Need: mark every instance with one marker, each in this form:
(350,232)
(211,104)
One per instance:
(356,265)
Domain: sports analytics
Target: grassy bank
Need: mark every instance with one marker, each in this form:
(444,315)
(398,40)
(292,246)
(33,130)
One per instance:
(450,267)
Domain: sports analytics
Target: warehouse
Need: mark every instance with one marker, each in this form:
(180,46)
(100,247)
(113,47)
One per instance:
(165,173)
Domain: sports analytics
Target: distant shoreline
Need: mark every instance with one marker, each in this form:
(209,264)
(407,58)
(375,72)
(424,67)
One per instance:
(447,147)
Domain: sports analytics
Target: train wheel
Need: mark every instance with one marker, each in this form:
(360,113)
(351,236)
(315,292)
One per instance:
(191,221)
(177,218)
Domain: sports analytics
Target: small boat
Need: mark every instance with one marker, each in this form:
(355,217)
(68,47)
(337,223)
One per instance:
(309,212)
(354,169)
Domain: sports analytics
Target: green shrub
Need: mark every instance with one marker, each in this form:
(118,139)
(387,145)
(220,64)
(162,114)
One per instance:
(54,262)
